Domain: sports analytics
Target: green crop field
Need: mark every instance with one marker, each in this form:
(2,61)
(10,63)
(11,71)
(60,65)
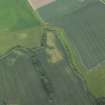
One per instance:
(94,78)
(17,15)
(64,81)
(19,25)
(40,64)
(29,38)
(84,38)
(86,30)
(41,76)
(60,8)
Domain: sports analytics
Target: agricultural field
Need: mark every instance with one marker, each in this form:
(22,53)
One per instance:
(17,15)
(96,81)
(85,38)
(20,25)
(19,83)
(56,10)
(29,38)
(91,33)
(38,63)
(35,76)
(65,81)
(85,27)
(94,78)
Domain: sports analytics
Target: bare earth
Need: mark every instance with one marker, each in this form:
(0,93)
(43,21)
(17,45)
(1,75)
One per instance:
(39,3)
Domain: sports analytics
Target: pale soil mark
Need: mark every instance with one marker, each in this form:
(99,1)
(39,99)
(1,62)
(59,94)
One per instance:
(55,55)
(39,3)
